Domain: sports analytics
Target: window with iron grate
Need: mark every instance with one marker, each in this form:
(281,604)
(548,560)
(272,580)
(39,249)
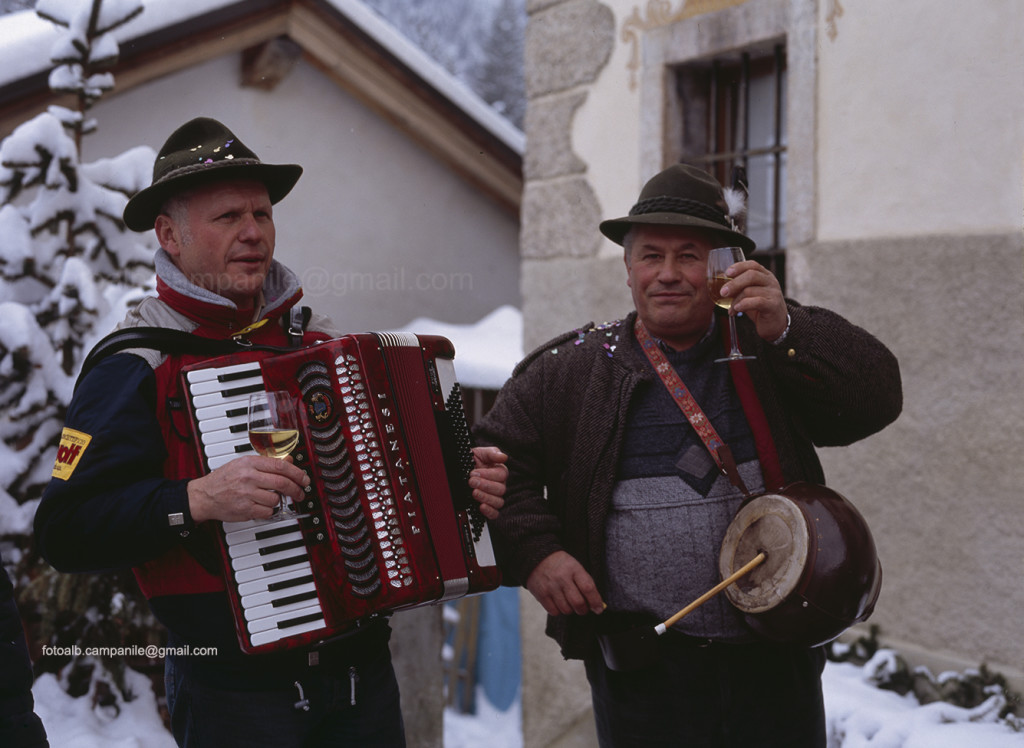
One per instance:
(733,109)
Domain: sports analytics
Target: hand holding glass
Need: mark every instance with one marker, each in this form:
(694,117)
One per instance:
(274,432)
(720,260)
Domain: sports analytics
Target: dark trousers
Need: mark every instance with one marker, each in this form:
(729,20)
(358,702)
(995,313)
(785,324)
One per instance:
(349,707)
(717,696)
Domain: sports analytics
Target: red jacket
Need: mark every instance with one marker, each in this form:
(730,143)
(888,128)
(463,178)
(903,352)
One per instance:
(129,453)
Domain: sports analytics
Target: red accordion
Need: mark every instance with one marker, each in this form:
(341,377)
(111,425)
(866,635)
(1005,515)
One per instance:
(390,522)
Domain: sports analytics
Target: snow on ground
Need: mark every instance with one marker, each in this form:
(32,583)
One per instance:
(859,716)
(488,727)
(72,723)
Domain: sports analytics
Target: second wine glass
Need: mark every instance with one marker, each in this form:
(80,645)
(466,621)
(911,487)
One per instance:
(721,259)
(274,432)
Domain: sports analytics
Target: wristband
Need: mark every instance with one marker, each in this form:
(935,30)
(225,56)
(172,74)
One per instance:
(785,332)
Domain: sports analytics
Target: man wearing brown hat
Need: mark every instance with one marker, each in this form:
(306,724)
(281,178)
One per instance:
(128,489)
(620,491)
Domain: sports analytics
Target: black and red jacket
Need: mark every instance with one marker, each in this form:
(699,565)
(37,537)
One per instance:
(111,507)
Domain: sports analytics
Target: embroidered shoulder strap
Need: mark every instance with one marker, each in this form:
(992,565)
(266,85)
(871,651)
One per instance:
(670,378)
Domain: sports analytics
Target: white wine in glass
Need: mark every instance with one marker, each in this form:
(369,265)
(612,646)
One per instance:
(277,443)
(721,259)
(715,284)
(274,432)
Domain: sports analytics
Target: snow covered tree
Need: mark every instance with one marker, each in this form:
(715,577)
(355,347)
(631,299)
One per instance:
(69,268)
(8,6)
(67,262)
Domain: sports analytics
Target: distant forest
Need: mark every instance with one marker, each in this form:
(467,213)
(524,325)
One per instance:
(478,41)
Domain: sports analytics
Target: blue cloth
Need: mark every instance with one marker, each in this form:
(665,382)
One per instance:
(499,647)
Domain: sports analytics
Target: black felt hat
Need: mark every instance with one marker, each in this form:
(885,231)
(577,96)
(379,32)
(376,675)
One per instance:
(683,195)
(202,151)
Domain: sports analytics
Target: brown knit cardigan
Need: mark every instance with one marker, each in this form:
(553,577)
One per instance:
(561,416)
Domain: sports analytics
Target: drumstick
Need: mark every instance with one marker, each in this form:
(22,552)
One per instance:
(739,573)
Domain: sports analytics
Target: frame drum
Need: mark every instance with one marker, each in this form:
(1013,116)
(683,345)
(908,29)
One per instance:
(821,574)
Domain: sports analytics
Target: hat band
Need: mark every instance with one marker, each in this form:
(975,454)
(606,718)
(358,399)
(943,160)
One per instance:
(182,171)
(666,204)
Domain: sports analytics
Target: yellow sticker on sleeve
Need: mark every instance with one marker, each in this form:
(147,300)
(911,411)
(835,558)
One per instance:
(72,447)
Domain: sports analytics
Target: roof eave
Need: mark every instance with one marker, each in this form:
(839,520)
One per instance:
(354,49)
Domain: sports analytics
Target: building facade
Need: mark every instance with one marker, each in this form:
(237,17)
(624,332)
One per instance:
(883,150)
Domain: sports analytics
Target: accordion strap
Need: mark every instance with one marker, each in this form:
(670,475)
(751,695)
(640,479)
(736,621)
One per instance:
(171,342)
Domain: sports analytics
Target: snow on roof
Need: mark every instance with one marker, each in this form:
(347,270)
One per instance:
(433,73)
(28,40)
(486,351)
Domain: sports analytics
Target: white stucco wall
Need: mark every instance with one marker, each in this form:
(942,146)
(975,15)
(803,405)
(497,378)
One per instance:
(921,127)
(606,134)
(920,198)
(380,231)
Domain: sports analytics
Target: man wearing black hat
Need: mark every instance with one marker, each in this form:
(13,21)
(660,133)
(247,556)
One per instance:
(128,489)
(620,492)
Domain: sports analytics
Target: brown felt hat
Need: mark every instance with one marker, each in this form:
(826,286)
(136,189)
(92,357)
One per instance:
(202,151)
(683,195)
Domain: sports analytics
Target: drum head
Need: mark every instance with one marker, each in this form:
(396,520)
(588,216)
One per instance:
(775,525)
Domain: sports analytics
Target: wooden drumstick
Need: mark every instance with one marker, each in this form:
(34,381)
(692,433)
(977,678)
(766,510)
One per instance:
(738,574)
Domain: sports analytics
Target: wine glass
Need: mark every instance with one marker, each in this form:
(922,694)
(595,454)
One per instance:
(274,432)
(721,259)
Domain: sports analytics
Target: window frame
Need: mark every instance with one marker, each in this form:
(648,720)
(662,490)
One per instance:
(691,37)
(716,105)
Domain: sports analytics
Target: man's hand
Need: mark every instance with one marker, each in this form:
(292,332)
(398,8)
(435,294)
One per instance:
(757,294)
(563,586)
(246,488)
(488,479)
